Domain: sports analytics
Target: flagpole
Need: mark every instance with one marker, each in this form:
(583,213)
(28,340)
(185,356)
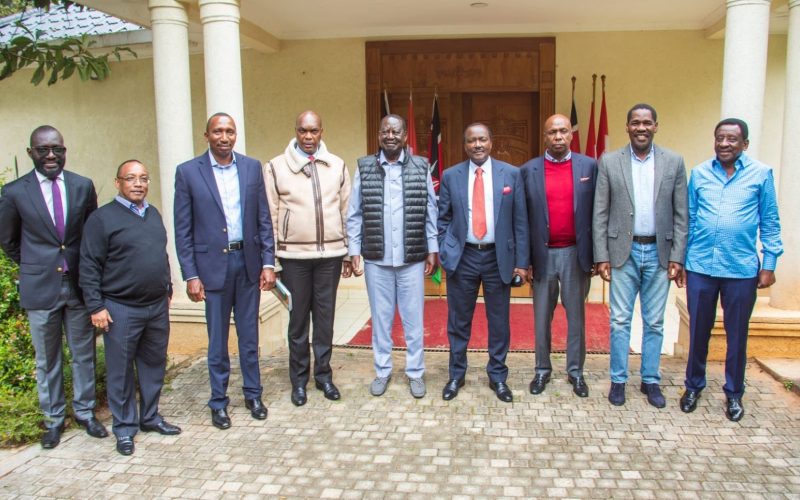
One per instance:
(573,87)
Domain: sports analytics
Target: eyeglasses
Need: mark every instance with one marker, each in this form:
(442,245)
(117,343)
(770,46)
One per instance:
(133,180)
(46,150)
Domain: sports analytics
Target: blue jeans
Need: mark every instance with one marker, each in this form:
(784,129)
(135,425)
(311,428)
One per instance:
(641,274)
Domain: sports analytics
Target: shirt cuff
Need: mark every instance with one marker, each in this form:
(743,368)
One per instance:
(354,249)
(267,266)
(192,278)
(433,245)
(770,262)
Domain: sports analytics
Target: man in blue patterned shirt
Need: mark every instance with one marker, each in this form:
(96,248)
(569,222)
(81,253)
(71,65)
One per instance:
(731,202)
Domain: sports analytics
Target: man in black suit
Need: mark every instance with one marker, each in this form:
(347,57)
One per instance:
(41,222)
(126,284)
(483,240)
(559,188)
(223,234)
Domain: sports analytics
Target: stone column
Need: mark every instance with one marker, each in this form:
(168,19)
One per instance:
(745,64)
(223,63)
(785,294)
(173,111)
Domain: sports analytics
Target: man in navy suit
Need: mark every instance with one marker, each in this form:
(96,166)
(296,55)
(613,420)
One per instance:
(559,188)
(223,234)
(483,239)
(41,224)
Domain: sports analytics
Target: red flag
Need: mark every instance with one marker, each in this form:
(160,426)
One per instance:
(575,145)
(591,146)
(435,149)
(602,130)
(412,133)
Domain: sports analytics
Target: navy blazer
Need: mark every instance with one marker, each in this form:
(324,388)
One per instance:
(510,217)
(28,236)
(201,236)
(584,178)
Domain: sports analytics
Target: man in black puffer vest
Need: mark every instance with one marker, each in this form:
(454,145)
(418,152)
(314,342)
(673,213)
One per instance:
(391,222)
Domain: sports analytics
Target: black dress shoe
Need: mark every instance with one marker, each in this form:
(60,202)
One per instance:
(579,386)
(502,391)
(93,427)
(299,396)
(451,388)
(220,418)
(734,409)
(330,390)
(125,445)
(539,382)
(257,408)
(162,427)
(689,401)
(52,436)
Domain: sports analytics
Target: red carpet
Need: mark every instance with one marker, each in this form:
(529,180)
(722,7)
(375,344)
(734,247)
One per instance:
(522,336)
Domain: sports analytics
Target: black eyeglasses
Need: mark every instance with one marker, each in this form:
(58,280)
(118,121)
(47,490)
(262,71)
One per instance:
(45,150)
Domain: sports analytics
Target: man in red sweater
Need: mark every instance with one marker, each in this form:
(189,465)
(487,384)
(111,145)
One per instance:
(559,189)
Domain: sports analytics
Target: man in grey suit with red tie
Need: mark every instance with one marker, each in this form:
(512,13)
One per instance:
(41,224)
(223,234)
(483,239)
(559,188)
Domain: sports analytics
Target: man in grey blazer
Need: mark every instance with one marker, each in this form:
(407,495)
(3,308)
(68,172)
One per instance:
(41,223)
(640,229)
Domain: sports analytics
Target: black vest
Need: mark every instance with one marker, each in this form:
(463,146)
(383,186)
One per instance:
(415,204)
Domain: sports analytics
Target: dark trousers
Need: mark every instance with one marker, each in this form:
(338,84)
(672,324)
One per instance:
(476,267)
(738,299)
(138,336)
(241,296)
(313,284)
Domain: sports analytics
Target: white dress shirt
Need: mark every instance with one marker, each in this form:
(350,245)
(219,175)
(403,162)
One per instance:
(488,197)
(46,185)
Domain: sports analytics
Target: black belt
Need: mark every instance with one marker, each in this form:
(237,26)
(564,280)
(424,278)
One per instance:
(235,245)
(644,240)
(480,246)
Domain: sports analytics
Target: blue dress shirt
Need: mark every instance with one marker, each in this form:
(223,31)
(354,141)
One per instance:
(726,215)
(643,174)
(132,206)
(227,177)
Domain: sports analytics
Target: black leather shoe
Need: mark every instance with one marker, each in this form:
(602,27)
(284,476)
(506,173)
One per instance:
(299,396)
(579,386)
(93,427)
(330,390)
(654,395)
(734,409)
(616,396)
(689,401)
(502,391)
(162,427)
(220,418)
(52,437)
(257,408)
(451,388)
(539,382)
(125,445)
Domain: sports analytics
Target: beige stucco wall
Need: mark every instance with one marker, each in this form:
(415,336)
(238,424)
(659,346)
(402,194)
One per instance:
(680,73)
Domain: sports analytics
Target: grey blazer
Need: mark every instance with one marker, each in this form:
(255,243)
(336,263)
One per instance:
(612,221)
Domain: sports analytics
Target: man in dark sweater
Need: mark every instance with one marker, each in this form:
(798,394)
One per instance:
(126,285)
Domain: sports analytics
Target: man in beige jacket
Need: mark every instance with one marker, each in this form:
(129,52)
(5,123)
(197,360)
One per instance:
(308,189)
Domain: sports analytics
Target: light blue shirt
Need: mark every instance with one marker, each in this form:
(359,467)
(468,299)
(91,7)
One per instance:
(726,216)
(393,212)
(488,201)
(643,173)
(227,177)
(132,206)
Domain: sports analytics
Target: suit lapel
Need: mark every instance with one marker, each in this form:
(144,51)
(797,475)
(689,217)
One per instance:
(242,173)
(498,178)
(72,204)
(538,183)
(658,166)
(577,172)
(37,200)
(625,167)
(463,190)
(207,173)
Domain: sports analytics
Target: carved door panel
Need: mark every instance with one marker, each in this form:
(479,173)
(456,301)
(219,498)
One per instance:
(512,119)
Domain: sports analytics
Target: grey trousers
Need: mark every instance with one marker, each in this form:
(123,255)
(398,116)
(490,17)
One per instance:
(70,318)
(564,275)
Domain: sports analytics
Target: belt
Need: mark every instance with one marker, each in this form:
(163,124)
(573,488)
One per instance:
(235,245)
(480,246)
(644,240)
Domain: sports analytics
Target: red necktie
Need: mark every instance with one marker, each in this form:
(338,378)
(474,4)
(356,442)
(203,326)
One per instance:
(478,206)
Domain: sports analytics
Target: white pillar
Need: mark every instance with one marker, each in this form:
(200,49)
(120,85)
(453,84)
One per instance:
(745,64)
(223,62)
(173,110)
(785,294)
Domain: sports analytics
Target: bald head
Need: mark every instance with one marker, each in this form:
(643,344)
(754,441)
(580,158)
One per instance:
(308,131)
(557,136)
